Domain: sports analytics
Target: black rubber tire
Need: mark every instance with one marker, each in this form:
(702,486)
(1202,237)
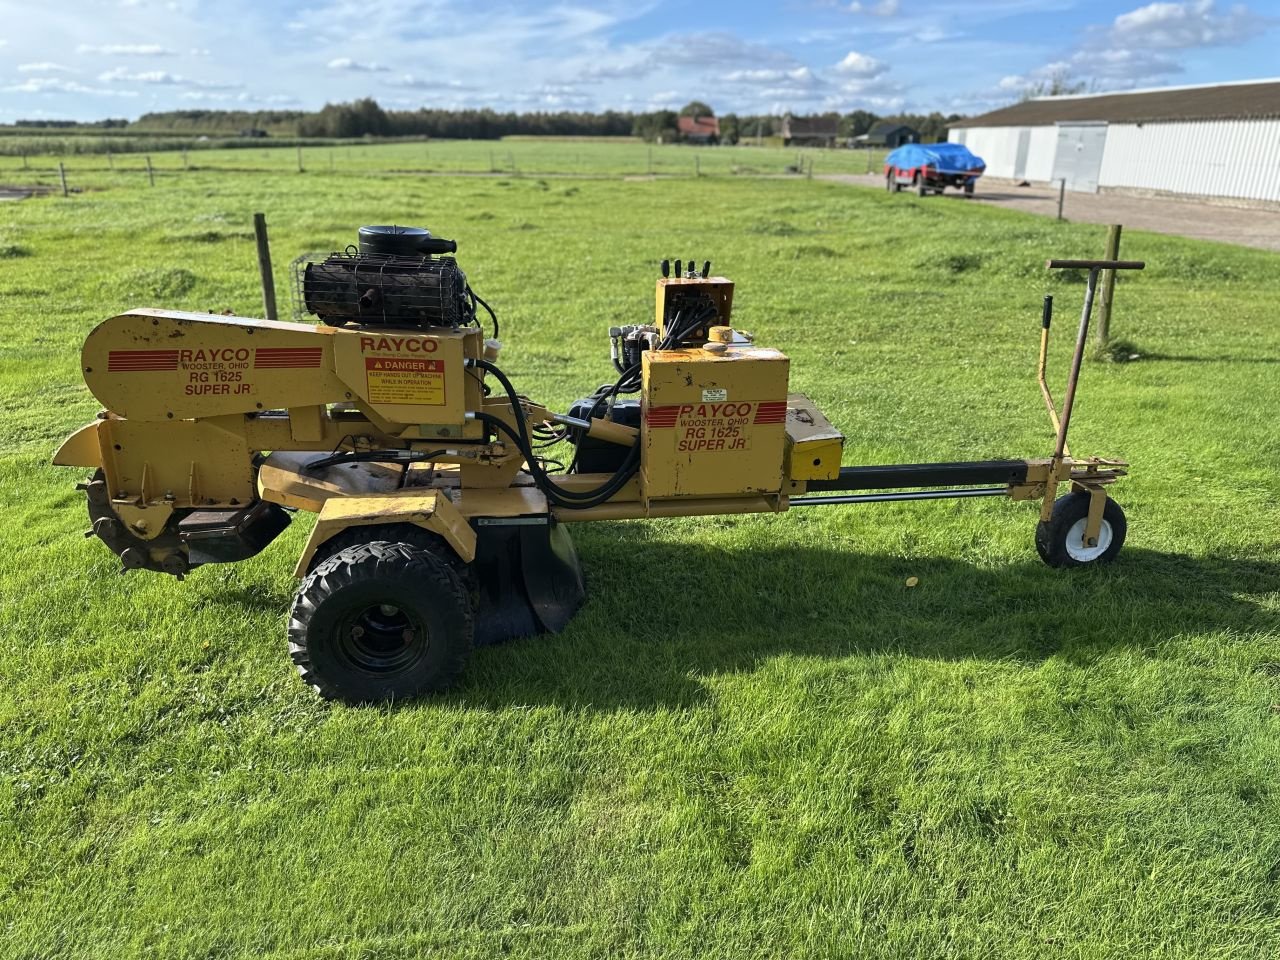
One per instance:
(968,189)
(1051,536)
(407,533)
(421,648)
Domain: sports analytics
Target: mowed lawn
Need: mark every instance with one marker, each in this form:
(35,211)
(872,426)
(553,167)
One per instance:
(755,740)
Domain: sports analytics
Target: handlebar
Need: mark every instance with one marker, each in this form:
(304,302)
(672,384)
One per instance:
(1095,264)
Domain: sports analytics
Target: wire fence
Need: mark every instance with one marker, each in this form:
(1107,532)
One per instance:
(469,157)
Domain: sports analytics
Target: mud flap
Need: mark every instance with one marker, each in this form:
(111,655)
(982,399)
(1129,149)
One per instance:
(527,577)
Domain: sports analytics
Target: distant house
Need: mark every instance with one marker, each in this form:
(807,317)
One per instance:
(809,131)
(891,135)
(699,129)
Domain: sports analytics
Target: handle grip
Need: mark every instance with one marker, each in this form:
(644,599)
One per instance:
(437,245)
(1096,264)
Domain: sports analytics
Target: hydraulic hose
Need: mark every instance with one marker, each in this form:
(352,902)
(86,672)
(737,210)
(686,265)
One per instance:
(570,499)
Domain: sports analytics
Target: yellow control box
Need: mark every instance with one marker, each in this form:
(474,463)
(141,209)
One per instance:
(713,423)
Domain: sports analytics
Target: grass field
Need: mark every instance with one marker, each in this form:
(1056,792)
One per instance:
(791,755)
(515,156)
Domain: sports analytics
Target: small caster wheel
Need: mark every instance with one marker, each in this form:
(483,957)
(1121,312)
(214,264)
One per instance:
(1060,540)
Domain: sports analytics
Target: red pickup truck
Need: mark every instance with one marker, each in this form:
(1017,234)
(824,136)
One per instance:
(931,168)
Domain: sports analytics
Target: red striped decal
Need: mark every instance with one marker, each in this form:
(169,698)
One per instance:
(277,358)
(136,361)
(661,416)
(774,411)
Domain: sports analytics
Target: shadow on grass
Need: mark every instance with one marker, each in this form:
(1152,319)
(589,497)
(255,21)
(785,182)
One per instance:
(1179,358)
(660,618)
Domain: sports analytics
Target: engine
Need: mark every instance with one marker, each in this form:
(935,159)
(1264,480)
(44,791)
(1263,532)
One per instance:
(397,276)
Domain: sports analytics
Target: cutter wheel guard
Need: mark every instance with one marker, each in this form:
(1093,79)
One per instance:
(440,523)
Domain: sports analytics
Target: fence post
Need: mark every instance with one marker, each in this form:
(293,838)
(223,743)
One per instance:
(697,166)
(264,265)
(62,175)
(111,161)
(24,161)
(1062,193)
(651,161)
(300,158)
(151,174)
(185,165)
(1108,285)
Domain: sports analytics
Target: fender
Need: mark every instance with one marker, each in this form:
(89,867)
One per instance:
(429,510)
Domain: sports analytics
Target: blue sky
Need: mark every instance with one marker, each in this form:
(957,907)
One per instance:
(75,59)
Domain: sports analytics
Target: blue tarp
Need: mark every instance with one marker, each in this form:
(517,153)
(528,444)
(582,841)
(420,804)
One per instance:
(943,157)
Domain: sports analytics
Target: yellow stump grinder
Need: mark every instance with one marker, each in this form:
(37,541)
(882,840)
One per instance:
(439,523)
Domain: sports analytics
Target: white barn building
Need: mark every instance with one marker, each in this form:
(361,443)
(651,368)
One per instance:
(1217,141)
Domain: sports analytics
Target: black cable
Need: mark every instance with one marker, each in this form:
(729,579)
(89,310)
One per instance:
(488,309)
(568,499)
(552,490)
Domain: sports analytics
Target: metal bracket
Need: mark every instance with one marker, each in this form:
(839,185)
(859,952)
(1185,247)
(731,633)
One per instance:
(1093,524)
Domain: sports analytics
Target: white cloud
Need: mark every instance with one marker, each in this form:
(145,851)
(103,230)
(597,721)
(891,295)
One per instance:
(125,49)
(714,49)
(161,78)
(58,85)
(346,63)
(1179,26)
(43,67)
(797,75)
(857,64)
(885,8)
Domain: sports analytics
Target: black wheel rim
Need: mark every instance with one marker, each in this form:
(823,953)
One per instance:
(381,639)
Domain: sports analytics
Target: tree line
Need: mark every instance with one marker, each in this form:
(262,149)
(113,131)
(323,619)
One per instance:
(366,118)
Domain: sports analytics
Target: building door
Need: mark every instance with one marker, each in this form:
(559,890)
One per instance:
(1078,158)
(1020,161)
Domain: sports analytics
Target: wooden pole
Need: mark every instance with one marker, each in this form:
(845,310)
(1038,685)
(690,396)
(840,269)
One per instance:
(24,161)
(697,166)
(651,161)
(1062,193)
(300,158)
(185,165)
(1108,285)
(264,265)
(62,175)
(151,174)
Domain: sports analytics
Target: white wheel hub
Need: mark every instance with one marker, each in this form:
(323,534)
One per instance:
(1081,552)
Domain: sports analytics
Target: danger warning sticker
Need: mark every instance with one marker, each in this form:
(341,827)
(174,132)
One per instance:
(397,380)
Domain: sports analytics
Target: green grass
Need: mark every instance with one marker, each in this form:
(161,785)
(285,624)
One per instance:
(515,157)
(755,740)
